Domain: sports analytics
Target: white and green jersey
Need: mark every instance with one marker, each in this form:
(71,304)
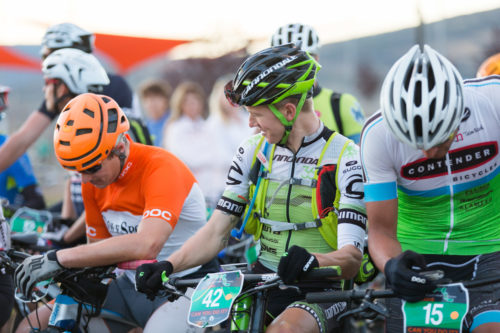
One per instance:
(450,205)
(288,197)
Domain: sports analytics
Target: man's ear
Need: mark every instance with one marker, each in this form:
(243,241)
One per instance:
(289,111)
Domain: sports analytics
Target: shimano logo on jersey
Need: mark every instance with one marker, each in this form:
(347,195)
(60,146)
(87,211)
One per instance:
(353,217)
(230,206)
(268,71)
(418,279)
(461,159)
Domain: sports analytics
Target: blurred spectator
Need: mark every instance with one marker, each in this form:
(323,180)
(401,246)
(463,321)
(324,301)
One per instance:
(155,97)
(188,137)
(228,125)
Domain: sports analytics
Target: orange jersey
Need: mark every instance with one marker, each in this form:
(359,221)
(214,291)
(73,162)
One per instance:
(153,183)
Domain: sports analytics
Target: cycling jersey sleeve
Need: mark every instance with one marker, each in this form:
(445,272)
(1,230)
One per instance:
(165,189)
(352,212)
(96,227)
(380,176)
(235,196)
(352,117)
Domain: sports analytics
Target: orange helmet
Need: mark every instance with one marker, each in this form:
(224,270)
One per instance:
(87,130)
(490,66)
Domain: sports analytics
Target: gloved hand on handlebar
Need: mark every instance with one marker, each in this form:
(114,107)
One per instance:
(148,277)
(295,263)
(405,281)
(35,269)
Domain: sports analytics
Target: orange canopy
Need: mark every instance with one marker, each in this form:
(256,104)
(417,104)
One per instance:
(11,58)
(127,51)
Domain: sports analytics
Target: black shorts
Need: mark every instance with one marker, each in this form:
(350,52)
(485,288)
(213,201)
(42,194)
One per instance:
(484,302)
(6,297)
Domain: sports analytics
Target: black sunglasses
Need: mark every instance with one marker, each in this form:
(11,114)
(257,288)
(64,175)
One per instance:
(92,170)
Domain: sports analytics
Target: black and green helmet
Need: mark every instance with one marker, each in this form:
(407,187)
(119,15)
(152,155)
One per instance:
(272,75)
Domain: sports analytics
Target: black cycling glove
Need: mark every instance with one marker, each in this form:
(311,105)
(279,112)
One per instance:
(295,263)
(148,277)
(406,282)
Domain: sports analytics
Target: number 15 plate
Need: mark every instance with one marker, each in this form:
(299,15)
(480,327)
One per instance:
(213,298)
(442,312)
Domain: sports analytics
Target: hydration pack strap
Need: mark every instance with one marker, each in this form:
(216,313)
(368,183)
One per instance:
(284,226)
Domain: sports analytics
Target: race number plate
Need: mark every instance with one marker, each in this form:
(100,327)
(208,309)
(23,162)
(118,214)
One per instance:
(442,312)
(213,298)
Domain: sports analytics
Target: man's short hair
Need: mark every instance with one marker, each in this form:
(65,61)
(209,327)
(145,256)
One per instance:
(155,87)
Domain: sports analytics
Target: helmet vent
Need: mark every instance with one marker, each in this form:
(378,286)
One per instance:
(446,93)
(417,95)
(88,112)
(70,122)
(105,99)
(88,163)
(64,143)
(112,120)
(407,79)
(82,131)
(417,126)
(432,109)
(431,80)
(403,109)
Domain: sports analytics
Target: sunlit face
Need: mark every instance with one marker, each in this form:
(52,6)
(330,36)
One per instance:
(440,150)
(266,123)
(155,105)
(109,172)
(192,106)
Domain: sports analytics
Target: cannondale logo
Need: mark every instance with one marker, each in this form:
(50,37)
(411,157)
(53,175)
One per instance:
(268,71)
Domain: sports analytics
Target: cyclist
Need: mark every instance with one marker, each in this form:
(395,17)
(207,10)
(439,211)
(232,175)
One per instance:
(430,159)
(141,202)
(18,183)
(61,36)
(490,66)
(308,168)
(340,112)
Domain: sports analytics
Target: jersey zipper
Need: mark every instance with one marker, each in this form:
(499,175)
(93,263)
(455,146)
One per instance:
(288,197)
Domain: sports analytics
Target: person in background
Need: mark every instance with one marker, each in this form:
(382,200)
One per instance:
(61,36)
(155,97)
(18,183)
(228,126)
(491,66)
(187,136)
(340,112)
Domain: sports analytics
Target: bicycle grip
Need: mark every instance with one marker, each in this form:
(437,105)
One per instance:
(323,273)
(347,295)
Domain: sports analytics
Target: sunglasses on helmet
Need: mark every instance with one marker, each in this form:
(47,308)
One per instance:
(232,97)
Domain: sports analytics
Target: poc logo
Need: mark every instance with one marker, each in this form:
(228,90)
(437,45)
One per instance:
(164,214)
(91,231)
(417,280)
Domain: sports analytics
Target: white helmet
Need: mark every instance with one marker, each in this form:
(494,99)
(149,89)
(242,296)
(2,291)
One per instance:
(297,33)
(80,71)
(68,35)
(422,98)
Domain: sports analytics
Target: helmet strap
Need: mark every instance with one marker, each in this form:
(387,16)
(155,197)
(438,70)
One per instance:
(288,123)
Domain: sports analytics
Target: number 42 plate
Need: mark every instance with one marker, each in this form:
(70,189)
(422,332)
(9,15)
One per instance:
(213,298)
(442,312)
